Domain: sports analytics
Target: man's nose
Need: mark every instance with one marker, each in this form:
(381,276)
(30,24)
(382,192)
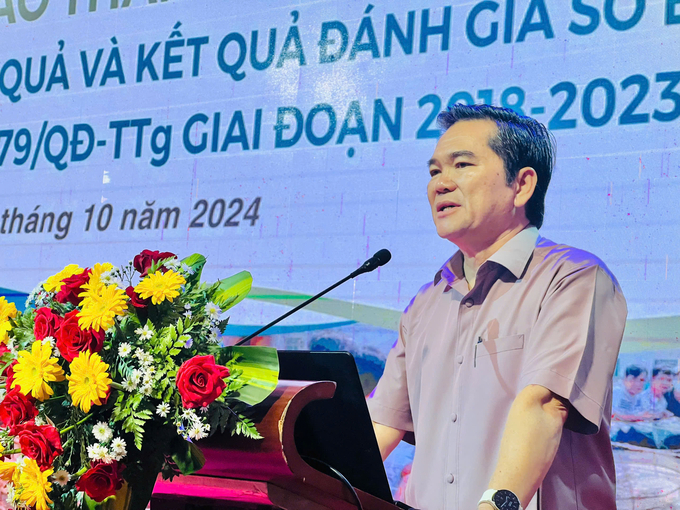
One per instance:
(444,183)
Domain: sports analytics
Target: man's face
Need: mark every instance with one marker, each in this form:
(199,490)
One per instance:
(662,383)
(635,385)
(470,200)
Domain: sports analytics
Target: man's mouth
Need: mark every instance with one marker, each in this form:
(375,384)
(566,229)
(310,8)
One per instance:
(446,206)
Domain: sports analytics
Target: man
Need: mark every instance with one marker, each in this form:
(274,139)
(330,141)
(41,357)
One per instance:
(504,363)
(629,402)
(673,396)
(662,383)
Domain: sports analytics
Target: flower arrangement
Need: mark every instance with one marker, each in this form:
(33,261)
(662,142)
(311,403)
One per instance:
(111,375)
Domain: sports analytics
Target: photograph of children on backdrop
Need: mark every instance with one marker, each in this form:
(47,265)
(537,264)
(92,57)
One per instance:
(646,405)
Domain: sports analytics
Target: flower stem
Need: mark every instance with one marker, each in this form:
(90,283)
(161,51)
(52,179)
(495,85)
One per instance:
(76,424)
(117,386)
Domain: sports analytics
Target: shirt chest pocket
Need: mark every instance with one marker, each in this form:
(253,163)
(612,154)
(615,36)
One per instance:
(498,363)
(506,343)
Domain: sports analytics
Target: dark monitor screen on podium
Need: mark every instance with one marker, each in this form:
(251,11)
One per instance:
(337,432)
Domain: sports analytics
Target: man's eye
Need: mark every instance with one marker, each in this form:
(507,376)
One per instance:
(434,171)
(462,164)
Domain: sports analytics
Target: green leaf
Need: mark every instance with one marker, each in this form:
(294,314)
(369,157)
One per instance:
(232,290)
(245,427)
(259,368)
(196,263)
(188,457)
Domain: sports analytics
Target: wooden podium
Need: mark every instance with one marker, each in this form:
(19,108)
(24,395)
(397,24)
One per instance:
(267,473)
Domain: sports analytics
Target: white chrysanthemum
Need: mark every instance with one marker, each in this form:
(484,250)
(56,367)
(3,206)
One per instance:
(204,410)
(214,337)
(11,493)
(197,432)
(62,477)
(213,311)
(144,357)
(124,350)
(119,446)
(187,269)
(49,340)
(102,432)
(144,333)
(39,420)
(111,278)
(136,377)
(172,264)
(129,385)
(188,314)
(146,390)
(56,353)
(163,409)
(97,452)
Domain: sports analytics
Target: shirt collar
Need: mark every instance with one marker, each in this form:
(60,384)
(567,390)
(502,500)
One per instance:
(513,255)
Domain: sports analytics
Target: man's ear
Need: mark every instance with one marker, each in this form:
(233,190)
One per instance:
(525,185)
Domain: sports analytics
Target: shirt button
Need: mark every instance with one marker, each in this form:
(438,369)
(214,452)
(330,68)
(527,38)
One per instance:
(454,417)
(459,359)
(449,478)
(469,303)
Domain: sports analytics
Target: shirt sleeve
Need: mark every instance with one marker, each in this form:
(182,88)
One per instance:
(575,343)
(389,403)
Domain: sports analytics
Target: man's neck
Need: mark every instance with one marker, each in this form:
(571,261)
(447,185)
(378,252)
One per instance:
(475,256)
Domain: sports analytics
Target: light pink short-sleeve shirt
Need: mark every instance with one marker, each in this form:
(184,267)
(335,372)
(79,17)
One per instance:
(540,313)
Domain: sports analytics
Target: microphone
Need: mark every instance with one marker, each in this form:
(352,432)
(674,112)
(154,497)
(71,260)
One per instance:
(380,258)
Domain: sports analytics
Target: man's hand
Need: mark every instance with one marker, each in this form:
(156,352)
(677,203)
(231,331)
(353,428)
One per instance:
(388,438)
(529,444)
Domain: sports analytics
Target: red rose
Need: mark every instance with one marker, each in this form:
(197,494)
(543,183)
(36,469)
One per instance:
(46,323)
(16,408)
(101,480)
(143,261)
(10,375)
(72,286)
(135,299)
(71,340)
(200,381)
(39,442)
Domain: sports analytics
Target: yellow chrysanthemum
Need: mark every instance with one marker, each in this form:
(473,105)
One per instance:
(7,309)
(160,286)
(94,285)
(89,380)
(35,485)
(7,470)
(54,282)
(98,310)
(35,369)
(5,327)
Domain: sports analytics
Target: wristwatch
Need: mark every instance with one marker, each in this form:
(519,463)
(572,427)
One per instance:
(501,500)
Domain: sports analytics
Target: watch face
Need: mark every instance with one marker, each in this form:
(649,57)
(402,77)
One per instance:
(506,500)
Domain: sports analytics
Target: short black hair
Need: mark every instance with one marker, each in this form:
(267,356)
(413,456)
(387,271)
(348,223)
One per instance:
(658,371)
(520,142)
(635,371)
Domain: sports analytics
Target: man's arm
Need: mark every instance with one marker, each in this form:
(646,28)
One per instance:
(388,438)
(529,444)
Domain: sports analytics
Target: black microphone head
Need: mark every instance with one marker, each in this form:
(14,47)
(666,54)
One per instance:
(382,257)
